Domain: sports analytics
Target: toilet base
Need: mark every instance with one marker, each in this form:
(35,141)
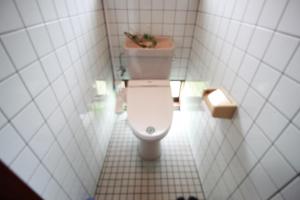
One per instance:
(149,150)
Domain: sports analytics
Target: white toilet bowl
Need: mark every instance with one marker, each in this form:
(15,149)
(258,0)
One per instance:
(150,111)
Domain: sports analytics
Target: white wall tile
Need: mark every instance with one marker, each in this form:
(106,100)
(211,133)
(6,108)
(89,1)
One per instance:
(248,190)
(246,156)
(61,8)
(239,89)
(39,179)
(122,16)
(52,158)
(235,137)
(182,5)
(9,11)
(56,121)
(72,8)
(56,34)
(6,67)
(51,66)
(25,164)
(157,16)
(275,56)
(145,16)
(239,172)
(242,120)
(42,141)
(180,17)
(265,79)
(280,172)
(232,31)
(191,17)
(41,52)
(284,98)
(239,10)
(236,59)
(14,95)
(11,144)
(157,4)
(237,195)
(145,4)
(270,84)
(278,197)
(34,78)
(271,13)
(64,137)
(253,10)
(169,17)
(296,120)
(291,192)
(132,4)
(293,70)
(287,144)
(40,40)
(289,20)
(262,182)
(271,121)
(47,9)
(248,68)
(170,4)
(73,50)
(63,57)
(29,11)
(51,190)
(68,106)
(259,42)
(60,88)
(257,141)
(67,29)
(244,36)
(28,121)
(3,120)
(253,103)
(46,102)
(19,47)
(120,4)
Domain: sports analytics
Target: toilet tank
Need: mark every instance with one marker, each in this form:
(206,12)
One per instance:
(150,63)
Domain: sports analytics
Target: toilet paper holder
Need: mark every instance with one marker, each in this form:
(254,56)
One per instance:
(219,102)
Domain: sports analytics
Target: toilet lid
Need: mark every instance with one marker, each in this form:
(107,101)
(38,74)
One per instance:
(150,111)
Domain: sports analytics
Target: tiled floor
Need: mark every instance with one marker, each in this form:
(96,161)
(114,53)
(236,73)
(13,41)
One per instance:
(126,176)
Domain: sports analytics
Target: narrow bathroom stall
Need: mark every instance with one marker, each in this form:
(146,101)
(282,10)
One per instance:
(63,67)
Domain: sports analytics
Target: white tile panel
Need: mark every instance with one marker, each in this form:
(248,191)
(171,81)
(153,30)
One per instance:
(19,47)
(29,11)
(14,95)
(11,144)
(9,11)
(28,121)
(34,78)
(284,98)
(25,164)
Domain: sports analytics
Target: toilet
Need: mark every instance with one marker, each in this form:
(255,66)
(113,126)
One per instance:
(150,111)
(148,95)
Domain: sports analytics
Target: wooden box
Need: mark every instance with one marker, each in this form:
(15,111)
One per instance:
(219,103)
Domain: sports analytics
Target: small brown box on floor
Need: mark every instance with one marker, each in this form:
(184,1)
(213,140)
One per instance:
(219,103)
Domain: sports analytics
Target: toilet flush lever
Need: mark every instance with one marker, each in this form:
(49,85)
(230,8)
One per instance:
(150,130)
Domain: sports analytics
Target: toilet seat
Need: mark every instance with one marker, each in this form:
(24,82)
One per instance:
(149,108)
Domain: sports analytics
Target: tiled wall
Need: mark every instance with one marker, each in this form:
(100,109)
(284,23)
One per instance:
(250,48)
(175,18)
(51,54)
